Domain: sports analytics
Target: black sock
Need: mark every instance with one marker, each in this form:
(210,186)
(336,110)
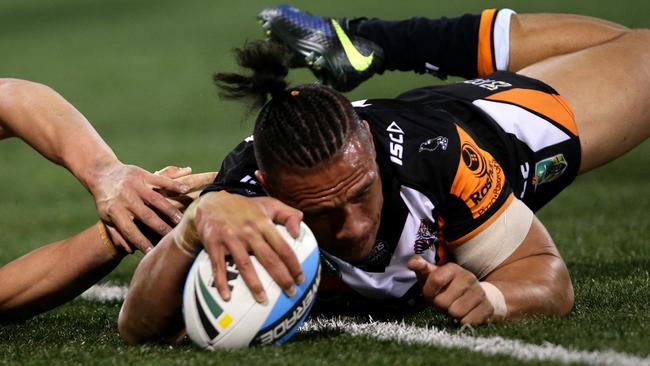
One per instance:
(444,46)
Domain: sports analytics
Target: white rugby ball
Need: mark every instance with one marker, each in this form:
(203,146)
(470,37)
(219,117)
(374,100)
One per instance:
(240,322)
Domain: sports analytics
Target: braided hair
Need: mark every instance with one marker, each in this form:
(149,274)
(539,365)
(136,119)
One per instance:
(298,126)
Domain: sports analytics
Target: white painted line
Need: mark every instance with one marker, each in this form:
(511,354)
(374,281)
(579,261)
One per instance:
(105,292)
(400,332)
(486,345)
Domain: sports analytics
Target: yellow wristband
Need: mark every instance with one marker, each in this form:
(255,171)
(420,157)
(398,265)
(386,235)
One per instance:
(184,243)
(185,235)
(106,239)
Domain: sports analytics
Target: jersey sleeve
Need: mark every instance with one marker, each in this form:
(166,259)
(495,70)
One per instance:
(237,173)
(430,151)
(478,194)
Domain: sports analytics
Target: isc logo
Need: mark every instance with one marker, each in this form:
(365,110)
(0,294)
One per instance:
(396,136)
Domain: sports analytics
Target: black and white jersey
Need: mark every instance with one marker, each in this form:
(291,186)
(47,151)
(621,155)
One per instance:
(446,167)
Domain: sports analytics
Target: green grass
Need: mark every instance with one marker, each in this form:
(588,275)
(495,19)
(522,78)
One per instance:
(140,71)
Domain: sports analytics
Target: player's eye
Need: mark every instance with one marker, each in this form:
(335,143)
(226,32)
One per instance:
(361,194)
(317,213)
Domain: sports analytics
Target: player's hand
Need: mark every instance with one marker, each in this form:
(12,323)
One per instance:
(453,289)
(231,224)
(195,182)
(126,192)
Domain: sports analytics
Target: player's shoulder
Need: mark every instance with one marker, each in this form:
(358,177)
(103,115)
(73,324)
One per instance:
(414,140)
(237,172)
(242,154)
(413,120)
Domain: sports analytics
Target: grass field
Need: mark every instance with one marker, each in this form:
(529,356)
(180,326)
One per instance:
(140,71)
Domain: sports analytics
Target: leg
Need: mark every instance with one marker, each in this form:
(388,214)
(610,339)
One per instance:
(608,88)
(468,46)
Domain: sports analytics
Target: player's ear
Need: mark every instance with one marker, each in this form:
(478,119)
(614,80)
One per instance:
(259,175)
(368,135)
(365,125)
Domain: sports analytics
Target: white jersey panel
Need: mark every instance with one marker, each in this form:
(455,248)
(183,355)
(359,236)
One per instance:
(529,128)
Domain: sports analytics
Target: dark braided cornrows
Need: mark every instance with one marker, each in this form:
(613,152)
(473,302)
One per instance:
(304,127)
(299,127)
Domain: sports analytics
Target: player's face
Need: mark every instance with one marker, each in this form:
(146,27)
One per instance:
(341,200)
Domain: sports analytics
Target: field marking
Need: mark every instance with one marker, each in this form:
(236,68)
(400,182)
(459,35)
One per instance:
(105,292)
(400,332)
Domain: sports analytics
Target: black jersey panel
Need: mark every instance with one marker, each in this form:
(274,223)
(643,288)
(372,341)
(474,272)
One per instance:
(419,143)
(237,173)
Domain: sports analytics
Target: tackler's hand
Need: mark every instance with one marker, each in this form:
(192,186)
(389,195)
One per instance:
(124,193)
(195,182)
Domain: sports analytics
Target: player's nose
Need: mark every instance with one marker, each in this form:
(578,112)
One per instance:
(356,226)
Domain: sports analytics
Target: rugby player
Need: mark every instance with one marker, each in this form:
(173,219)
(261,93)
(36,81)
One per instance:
(429,196)
(55,273)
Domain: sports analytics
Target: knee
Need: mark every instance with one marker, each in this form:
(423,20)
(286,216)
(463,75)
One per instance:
(641,35)
(637,47)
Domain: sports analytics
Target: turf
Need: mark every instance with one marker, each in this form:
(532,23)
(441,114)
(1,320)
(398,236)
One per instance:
(140,71)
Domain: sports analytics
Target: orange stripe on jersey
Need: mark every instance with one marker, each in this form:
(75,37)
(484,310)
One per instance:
(485,60)
(441,248)
(552,106)
(479,179)
(442,255)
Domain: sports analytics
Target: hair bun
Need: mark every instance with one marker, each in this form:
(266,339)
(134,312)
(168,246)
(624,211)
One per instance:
(269,63)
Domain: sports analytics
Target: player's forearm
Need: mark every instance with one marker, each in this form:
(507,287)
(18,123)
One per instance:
(535,37)
(545,289)
(152,309)
(45,120)
(53,274)
(533,279)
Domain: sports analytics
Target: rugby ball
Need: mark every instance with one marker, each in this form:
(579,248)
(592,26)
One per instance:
(240,322)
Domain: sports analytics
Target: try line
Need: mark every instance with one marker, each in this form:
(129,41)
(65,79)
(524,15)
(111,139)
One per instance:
(400,332)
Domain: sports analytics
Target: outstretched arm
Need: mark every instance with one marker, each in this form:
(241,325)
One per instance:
(224,224)
(56,273)
(152,310)
(45,120)
(533,280)
(509,270)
